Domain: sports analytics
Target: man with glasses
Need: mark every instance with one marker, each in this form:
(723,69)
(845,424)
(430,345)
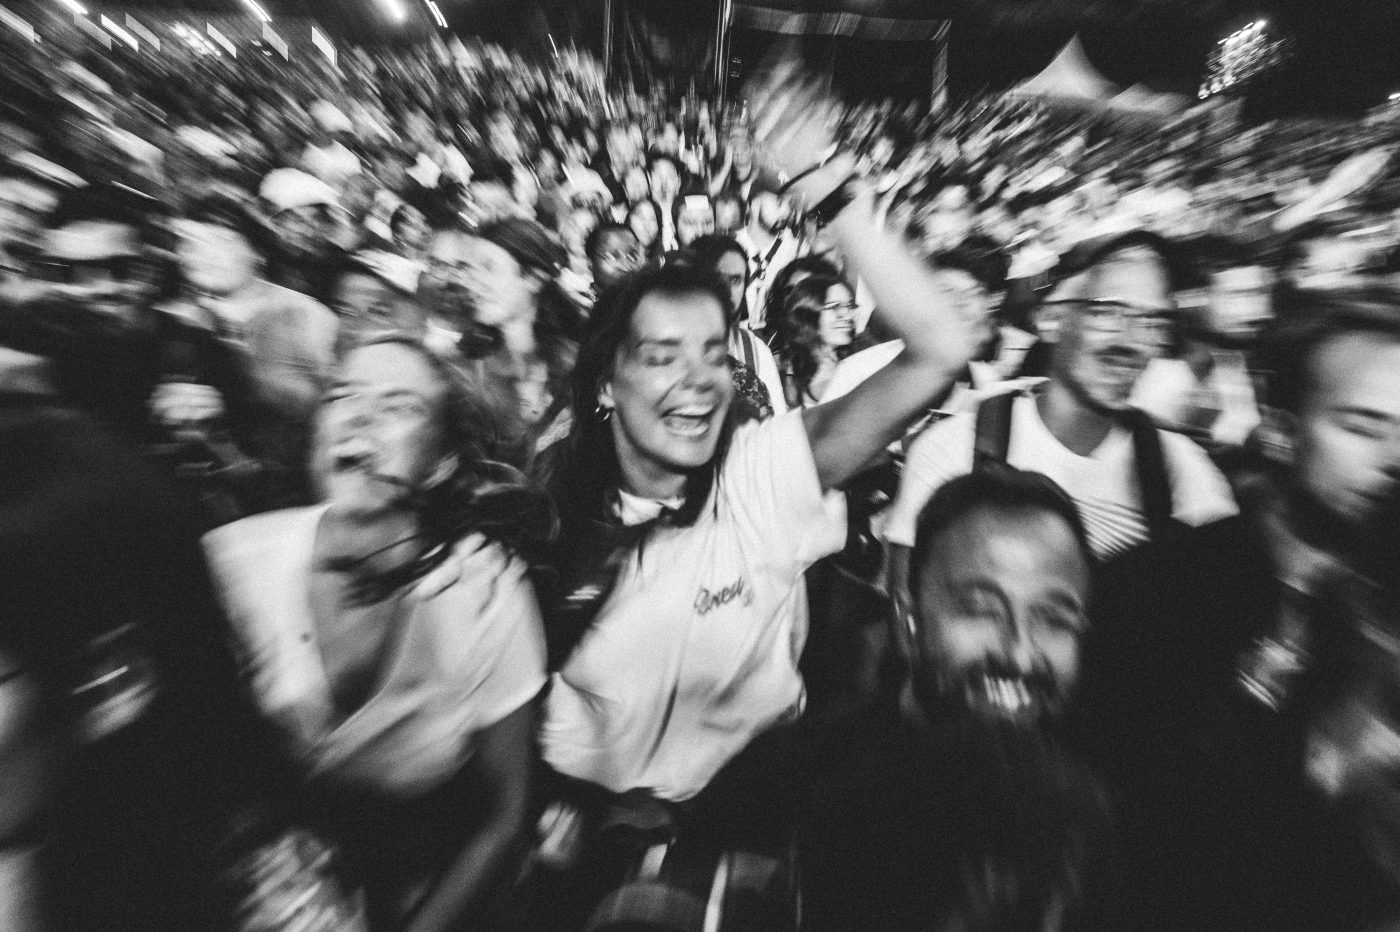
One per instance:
(170,386)
(1109,316)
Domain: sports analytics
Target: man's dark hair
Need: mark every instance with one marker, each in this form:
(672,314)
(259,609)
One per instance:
(107,203)
(1311,319)
(594,240)
(492,170)
(591,477)
(656,157)
(706,251)
(998,487)
(1093,252)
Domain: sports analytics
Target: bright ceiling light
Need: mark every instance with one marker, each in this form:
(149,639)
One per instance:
(437,14)
(395,10)
(74,7)
(258,11)
(120,33)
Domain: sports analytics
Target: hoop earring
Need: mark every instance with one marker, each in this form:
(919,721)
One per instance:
(603,412)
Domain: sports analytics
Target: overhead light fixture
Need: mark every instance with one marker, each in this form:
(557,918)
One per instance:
(395,10)
(437,14)
(258,11)
(74,7)
(119,32)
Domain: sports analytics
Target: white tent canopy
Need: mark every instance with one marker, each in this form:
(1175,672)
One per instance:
(1070,77)
(1142,99)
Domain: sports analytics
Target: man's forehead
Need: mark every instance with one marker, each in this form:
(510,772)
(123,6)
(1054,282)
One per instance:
(1136,274)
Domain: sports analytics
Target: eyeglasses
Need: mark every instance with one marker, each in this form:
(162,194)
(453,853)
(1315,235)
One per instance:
(848,307)
(83,271)
(452,270)
(621,258)
(1110,315)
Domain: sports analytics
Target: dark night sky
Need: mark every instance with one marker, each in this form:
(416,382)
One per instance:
(1348,51)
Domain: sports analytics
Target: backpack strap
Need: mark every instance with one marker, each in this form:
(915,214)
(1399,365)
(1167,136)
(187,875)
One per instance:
(750,355)
(993,438)
(1150,461)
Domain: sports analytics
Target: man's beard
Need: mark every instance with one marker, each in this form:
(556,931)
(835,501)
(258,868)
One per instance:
(990,691)
(1021,821)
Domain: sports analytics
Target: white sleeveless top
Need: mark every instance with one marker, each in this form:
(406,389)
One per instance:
(467,657)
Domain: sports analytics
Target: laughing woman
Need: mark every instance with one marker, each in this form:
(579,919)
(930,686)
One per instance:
(817,328)
(681,612)
(391,639)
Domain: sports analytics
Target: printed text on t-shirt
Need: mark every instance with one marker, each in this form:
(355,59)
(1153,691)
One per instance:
(707,601)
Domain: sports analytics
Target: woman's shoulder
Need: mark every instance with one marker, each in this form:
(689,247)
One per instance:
(262,536)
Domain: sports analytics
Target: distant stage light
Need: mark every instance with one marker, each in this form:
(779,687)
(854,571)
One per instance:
(74,7)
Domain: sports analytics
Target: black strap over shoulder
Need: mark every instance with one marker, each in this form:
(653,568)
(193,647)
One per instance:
(993,440)
(1153,481)
(993,430)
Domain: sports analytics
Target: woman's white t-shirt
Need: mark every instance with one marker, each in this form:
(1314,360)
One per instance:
(695,652)
(465,658)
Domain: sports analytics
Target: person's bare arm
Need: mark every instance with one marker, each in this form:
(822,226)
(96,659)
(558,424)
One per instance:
(502,764)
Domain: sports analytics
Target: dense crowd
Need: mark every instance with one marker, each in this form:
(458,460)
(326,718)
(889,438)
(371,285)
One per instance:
(440,490)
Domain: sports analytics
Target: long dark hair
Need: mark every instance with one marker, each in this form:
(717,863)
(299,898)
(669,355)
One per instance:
(485,493)
(589,472)
(652,249)
(800,328)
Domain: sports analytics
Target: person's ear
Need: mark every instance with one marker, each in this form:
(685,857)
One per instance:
(1277,435)
(606,404)
(443,471)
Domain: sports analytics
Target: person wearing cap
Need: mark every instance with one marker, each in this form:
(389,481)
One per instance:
(285,338)
(1113,310)
(325,156)
(525,328)
(309,229)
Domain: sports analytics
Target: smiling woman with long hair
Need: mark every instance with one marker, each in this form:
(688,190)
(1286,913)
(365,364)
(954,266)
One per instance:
(390,635)
(816,331)
(680,613)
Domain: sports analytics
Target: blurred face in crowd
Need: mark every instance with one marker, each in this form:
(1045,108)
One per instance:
(1239,302)
(771,211)
(742,149)
(498,289)
(665,181)
(311,233)
(733,270)
(98,265)
(635,186)
(1329,261)
(670,139)
(1347,436)
(1113,320)
(411,231)
(574,229)
(379,429)
(443,287)
(669,391)
(971,301)
(729,216)
(1000,609)
(618,254)
(214,258)
(836,324)
(695,219)
(490,200)
(368,305)
(23,206)
(644,222)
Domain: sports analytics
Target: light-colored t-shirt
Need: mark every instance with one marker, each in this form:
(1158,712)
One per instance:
(464,658)
(695,652)
(1103,484)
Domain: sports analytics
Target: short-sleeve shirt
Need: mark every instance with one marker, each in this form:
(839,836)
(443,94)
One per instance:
(695,651)
(464,659)
(1104,484)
